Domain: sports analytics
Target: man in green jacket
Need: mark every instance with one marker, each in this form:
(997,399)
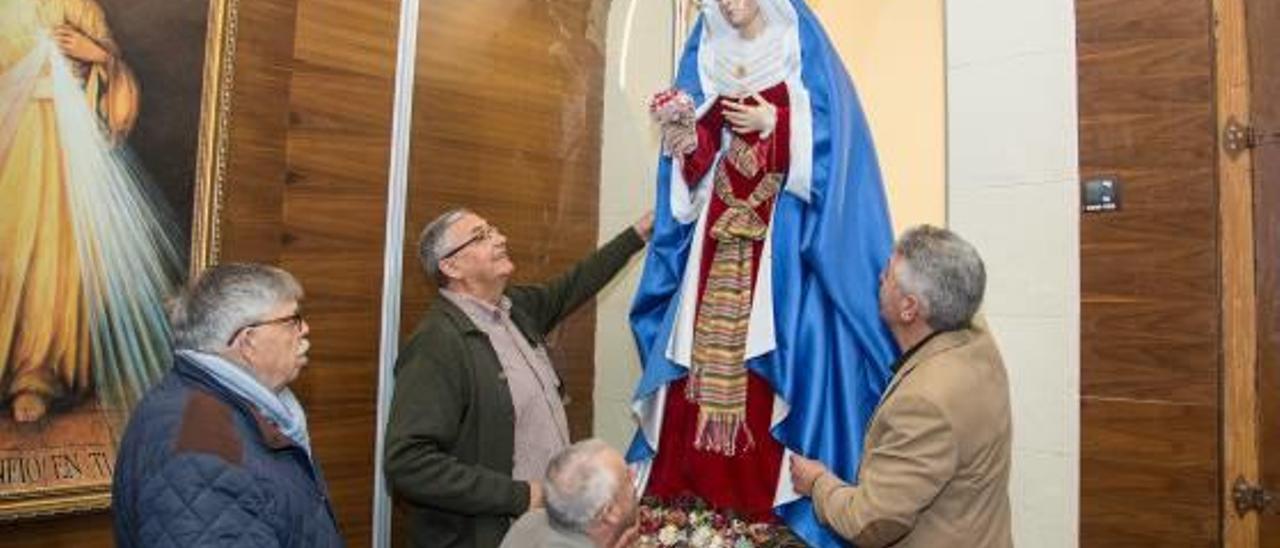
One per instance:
(476,414)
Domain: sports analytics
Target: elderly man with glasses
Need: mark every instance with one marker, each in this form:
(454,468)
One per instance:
(217,453)
(477,413)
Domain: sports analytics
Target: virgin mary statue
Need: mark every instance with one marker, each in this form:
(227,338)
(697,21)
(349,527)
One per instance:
(757,317)
(85,261)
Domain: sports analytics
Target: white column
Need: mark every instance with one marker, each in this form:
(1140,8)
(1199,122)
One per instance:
(1013,192)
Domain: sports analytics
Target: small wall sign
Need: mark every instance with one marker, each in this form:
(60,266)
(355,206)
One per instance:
(1101,195)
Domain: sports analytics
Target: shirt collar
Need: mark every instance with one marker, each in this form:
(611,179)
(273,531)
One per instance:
(902,360)
(477,308)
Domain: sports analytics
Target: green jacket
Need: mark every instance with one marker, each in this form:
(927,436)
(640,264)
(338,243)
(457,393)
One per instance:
(451,433)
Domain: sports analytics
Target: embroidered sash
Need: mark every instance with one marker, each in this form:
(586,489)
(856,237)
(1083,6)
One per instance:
(718,379)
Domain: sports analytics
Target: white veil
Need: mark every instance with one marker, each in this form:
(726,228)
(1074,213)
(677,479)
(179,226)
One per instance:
(768,59)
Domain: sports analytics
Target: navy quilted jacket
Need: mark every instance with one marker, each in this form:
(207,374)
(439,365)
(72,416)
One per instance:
(199,467)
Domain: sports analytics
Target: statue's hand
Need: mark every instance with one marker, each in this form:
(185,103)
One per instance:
(76,45)
(679,140)
(761,117)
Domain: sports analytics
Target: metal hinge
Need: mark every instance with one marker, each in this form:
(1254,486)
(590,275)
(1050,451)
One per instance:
(1237,137)
(1250,498)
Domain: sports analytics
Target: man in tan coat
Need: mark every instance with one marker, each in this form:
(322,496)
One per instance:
(935,467)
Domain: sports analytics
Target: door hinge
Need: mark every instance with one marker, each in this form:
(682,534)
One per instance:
(1237,137)
(1250,498)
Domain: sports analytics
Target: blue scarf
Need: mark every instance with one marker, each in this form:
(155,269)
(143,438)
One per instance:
(282,408)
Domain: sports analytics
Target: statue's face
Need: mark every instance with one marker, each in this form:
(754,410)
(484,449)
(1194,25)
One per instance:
(739,13)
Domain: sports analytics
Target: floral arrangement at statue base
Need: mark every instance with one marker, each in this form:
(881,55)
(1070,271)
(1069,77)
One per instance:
(691,522)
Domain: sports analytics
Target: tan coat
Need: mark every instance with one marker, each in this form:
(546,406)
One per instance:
(935,469)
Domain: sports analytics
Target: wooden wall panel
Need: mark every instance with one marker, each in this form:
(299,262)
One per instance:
(1151,349)
(334,217)
(1150,327)
(250,225)
(1264,22)
(89,530)
(1146,486)
(506,121)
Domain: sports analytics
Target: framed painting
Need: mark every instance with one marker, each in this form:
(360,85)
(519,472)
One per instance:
(113,124)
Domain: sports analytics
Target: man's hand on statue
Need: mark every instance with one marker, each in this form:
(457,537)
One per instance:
(629,536)
(535,496)
(76,45)
(644,226)
(805,473)
(743,118)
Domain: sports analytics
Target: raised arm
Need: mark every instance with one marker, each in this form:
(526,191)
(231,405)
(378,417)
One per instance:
(550,303)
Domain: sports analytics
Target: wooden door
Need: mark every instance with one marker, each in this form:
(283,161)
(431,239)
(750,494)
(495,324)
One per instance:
(1150,362)
(1263,26)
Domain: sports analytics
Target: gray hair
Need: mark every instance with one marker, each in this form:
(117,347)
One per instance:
(944,272)
(431,242)
(225,298)
(578,486)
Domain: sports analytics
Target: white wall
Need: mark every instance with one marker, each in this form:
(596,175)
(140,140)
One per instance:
(1012,191)
(639,64)
(893,49)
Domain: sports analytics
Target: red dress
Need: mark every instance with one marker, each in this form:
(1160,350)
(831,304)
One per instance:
(746,481)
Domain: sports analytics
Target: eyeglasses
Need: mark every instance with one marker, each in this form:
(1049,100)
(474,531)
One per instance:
(483,233)
(295,320)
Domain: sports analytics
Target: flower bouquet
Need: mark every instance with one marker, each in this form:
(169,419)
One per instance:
(690,522)
(673,110)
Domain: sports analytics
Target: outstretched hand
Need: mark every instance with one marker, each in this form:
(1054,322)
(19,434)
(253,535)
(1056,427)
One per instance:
(644,225)
(743,118)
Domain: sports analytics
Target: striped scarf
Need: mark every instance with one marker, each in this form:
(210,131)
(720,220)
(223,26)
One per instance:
(718,380)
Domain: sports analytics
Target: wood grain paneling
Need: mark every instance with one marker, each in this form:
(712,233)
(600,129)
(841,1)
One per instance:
(1150,349)
(1239,309)
(87,531)
(1264,38)
(250,225)
(1149,474)
(1150,325)
(334,214)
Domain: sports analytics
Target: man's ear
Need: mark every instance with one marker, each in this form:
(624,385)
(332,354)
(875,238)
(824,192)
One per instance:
(911,308)
(448,268)
(248,342)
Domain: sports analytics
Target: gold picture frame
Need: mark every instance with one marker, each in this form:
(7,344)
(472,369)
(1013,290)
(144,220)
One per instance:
(206,169)
(215,120)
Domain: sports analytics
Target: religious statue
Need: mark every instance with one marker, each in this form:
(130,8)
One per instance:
(757,317)
(85,259)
